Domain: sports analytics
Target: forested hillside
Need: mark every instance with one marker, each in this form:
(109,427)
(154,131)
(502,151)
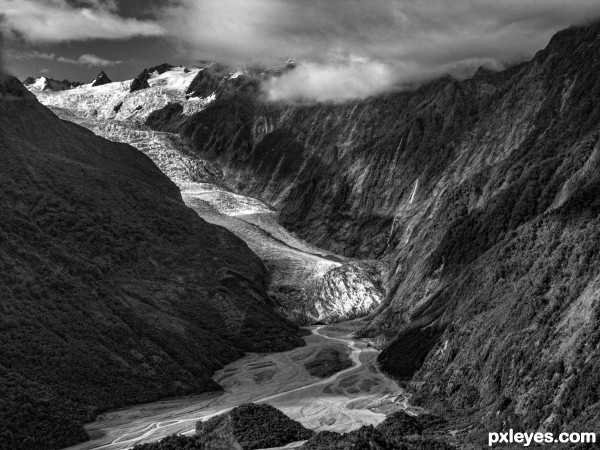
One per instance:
(112,292)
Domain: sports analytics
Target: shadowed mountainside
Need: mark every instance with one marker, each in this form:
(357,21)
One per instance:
(112,291)
(482,196)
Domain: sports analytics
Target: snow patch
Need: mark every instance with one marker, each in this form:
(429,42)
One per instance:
(178,78)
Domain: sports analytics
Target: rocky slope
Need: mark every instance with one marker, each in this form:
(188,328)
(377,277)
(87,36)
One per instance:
(113,292)
(481,195)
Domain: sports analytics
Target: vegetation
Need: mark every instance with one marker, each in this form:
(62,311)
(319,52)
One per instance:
(372,438)
(511,263)
(175,442)
(252,426)
(400,424)
(368,438)
(111,289)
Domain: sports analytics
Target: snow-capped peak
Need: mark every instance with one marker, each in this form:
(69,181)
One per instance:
(101,79)
(116,100)
(48,84)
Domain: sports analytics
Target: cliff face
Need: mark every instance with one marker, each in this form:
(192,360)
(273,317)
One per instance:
(481,195)
(111,290)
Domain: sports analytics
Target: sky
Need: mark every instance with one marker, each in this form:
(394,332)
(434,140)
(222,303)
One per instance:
(344,48)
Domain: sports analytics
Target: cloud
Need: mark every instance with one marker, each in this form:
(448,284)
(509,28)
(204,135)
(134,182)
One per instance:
(347,48)
(89,60)
(358,79)
(26,55)
(44,70)
(397,29)
(405,41)
(51,21)
(331,82)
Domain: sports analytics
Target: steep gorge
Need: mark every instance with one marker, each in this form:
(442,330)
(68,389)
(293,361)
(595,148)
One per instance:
(112,291)
(481,196)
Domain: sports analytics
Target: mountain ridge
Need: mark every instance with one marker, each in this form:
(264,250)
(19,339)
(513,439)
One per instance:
(100,79)
(479,195)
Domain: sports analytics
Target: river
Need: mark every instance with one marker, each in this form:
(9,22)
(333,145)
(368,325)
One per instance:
(359,395)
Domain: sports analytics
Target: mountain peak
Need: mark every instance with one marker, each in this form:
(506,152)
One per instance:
(101,79)
(141,81)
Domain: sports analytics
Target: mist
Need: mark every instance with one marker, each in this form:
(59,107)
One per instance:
(331,82)
(354,48)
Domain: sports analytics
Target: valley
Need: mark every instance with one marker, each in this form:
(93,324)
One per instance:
(359,395)
(454,226)
(308,283)
(311,285)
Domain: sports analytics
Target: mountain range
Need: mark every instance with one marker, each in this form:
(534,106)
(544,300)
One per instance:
(480,196)
(49,84)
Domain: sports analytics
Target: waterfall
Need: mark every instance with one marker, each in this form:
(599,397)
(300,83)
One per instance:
(412,198)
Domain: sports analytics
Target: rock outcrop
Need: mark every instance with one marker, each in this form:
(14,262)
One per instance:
(481,196)
(113,291)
